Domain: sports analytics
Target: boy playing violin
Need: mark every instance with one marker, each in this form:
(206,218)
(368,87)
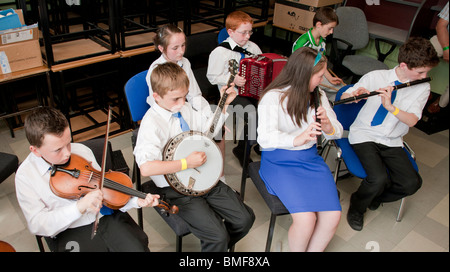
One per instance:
(65,223)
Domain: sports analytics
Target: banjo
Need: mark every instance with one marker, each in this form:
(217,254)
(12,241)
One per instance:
(198,181)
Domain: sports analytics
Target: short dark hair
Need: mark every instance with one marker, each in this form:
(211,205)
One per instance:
(325,15)
(418,52)
(43,121)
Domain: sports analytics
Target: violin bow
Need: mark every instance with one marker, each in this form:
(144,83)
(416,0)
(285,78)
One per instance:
(102,177)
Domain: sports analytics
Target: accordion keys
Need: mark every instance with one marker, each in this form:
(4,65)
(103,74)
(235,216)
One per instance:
(259,71)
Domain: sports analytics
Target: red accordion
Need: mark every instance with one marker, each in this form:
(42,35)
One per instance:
(259,71)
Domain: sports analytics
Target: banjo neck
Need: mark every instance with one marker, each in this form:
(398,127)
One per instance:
(233,70)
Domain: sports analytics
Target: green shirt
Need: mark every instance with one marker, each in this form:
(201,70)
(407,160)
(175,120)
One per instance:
(308,40)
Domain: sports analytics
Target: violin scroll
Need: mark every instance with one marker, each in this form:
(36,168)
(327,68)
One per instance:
(166,208)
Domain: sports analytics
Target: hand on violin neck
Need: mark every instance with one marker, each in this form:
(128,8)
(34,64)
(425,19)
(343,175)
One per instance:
(91,202)
(149,201)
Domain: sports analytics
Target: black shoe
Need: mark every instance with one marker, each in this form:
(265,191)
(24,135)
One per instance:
(238,152)
(374,205)
(355,219)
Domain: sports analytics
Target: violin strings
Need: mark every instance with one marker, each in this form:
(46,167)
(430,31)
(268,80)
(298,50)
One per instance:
(111,184)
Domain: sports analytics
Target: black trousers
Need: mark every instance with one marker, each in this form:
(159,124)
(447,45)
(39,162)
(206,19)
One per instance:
(390,175)
(218,218)
(117,232)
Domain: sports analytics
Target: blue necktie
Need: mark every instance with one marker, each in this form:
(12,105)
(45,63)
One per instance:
(106,211)
(381,113)
(184,126)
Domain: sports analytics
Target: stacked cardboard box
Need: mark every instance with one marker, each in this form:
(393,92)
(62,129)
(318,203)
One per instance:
(19,45)
(297,15)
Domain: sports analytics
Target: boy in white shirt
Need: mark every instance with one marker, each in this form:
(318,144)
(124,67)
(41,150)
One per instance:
(377,132)
(239,27)
(63,221)
(218,218)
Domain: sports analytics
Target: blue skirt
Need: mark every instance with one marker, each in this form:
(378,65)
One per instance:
(301,179)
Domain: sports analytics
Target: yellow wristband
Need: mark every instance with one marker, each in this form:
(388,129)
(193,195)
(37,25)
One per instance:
(332,133)
(183,164)
(397,110)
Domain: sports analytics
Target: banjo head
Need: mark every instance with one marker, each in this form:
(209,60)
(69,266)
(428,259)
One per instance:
(194,181)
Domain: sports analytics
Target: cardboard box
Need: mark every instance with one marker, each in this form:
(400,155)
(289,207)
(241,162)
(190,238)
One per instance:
(316,3)
(297,16)
(20,56)
(21,34)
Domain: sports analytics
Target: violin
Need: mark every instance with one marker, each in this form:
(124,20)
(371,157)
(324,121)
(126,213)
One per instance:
(5,247)
(77,178)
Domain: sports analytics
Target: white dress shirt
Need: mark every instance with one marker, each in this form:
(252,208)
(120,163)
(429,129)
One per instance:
(391,131)
(46,213)
(276,128)
(194,96)
(218,73)
(158,126)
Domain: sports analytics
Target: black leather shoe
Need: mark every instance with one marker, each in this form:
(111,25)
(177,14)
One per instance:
(374,205)
(355,219)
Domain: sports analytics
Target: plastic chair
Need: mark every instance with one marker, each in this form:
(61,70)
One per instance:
(346,114)
(8,165)
(136,92)
(222,36)
(350,35)
(199,46)
(273,202)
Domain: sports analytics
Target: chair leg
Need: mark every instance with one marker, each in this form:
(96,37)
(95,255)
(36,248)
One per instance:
(231,249)
(336,170)
(234,128)
(179,243)
(140,218)
(40,244)
(246,158)
(401,210)
(273,218)
(326,150)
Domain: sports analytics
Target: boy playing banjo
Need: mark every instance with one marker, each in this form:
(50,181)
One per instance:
(218,218)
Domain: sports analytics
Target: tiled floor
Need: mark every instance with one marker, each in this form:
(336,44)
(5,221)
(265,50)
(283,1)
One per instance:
(425,226)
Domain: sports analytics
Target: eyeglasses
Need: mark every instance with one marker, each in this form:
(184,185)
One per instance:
(245,32)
